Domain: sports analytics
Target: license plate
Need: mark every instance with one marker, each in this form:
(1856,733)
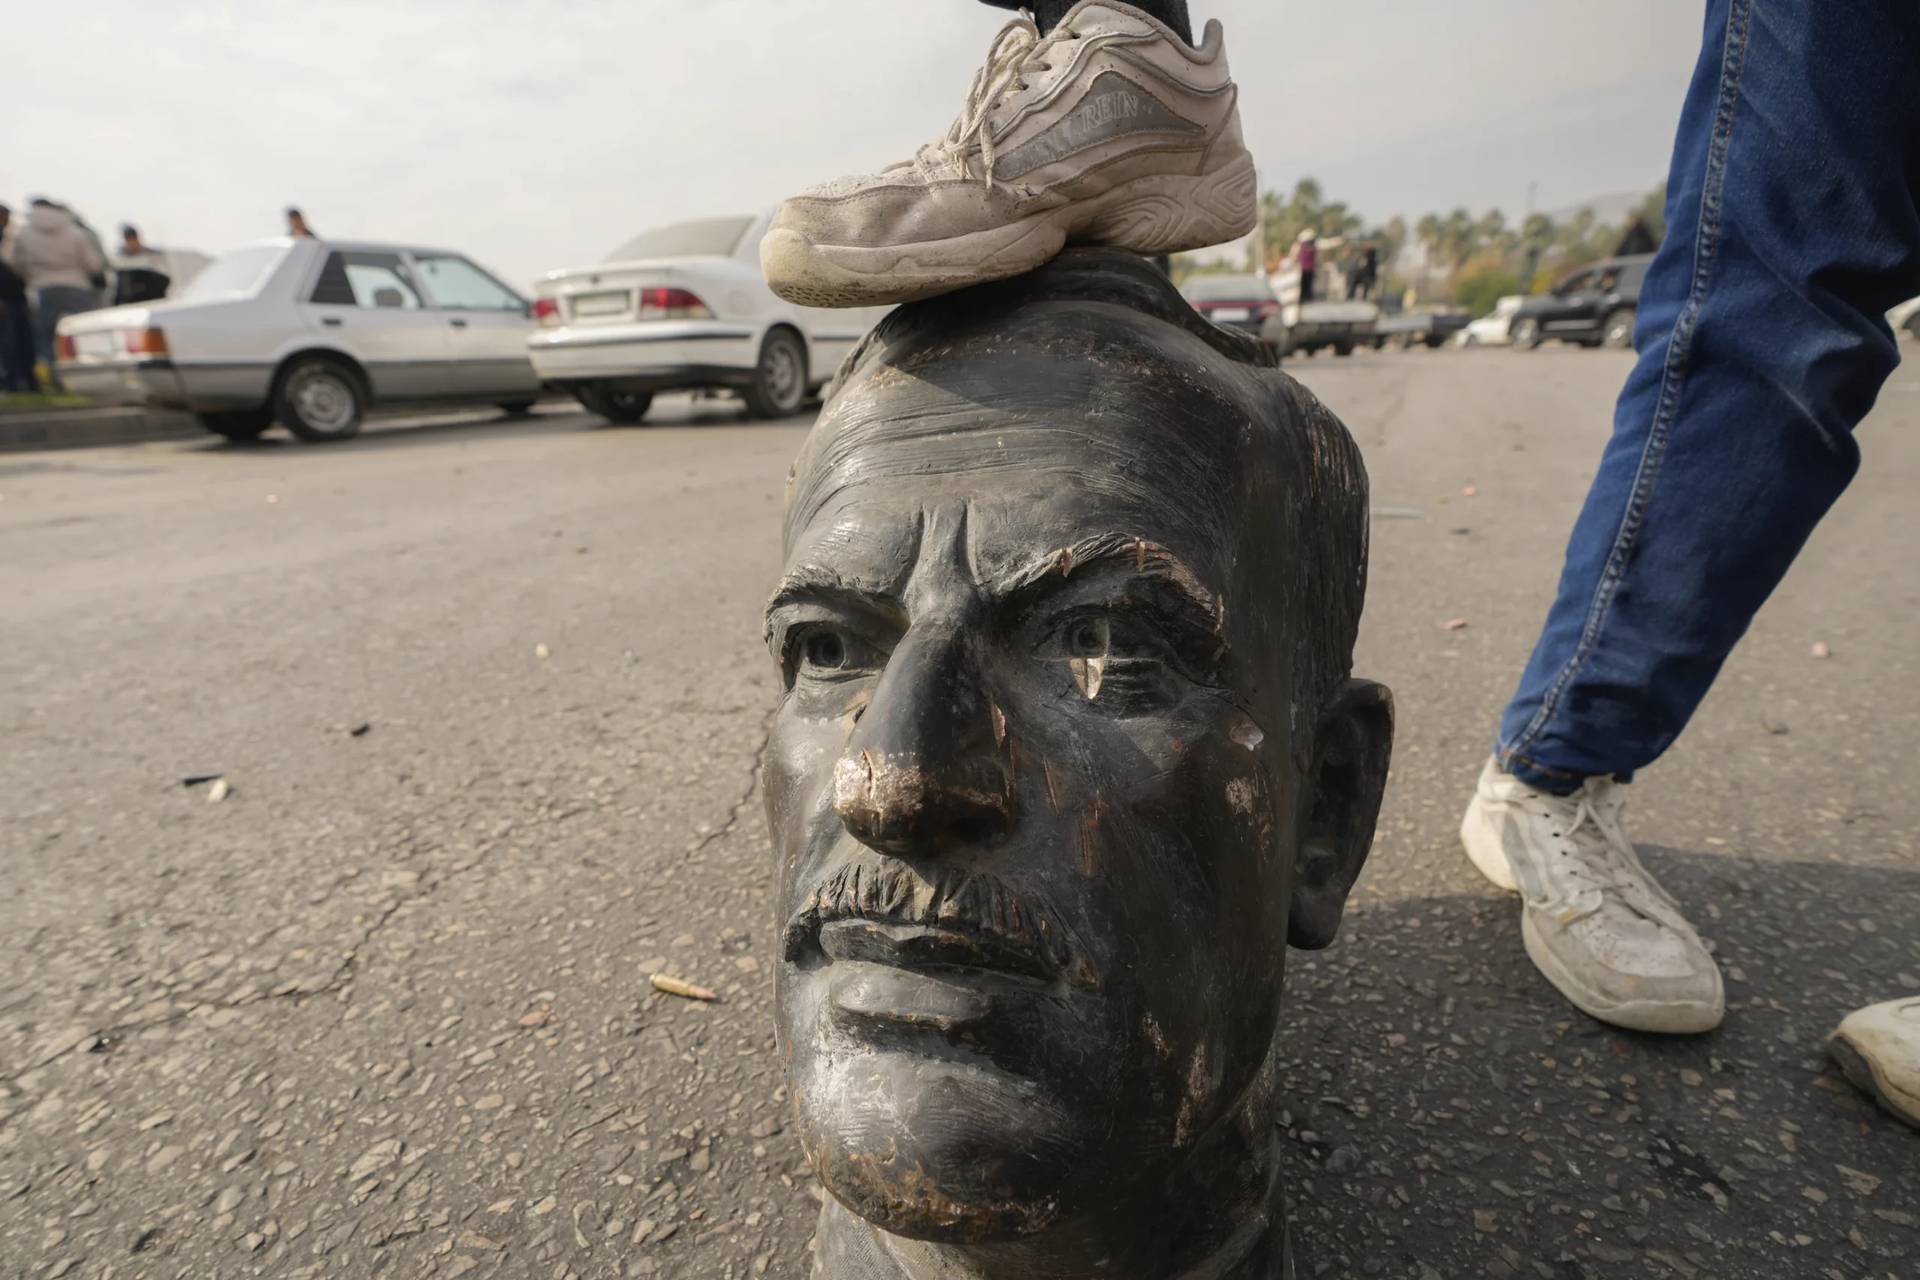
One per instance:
(601,304)
(1225,314)
(98,346)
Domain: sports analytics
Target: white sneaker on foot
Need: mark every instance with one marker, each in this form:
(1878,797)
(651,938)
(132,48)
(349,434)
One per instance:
(1595,922)
(1879,1049)
(1108,130)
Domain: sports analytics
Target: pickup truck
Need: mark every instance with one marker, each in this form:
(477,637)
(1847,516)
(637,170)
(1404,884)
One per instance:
(1324,321)
(1424,326)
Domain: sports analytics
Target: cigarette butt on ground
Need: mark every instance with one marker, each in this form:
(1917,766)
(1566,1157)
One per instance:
(676,987)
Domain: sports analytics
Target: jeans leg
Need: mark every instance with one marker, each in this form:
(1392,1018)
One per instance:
(1048,12)
(1793,212)
(16,347)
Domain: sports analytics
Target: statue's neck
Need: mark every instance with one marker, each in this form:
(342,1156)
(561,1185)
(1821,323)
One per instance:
(1240,1237)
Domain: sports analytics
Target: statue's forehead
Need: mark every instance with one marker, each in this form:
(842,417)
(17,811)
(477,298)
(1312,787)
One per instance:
(877,530)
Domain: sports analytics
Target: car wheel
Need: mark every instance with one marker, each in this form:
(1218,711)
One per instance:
(516,408)
(1526,334)
(320,400)
(1343,348)
(623,407)
(779,385)
(1434,342)
(1379,344)
(1617,332)
(236,424)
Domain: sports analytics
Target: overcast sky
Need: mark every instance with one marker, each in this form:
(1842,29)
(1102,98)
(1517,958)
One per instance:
(536,134)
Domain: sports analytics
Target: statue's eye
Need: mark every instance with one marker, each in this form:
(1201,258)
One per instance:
(824,651)
(1090,637)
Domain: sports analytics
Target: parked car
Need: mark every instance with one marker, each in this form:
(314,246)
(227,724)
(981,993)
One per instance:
(1593,307)
(1421,327)
(684,307)
(314,335)
(1236,302)
(1491,330)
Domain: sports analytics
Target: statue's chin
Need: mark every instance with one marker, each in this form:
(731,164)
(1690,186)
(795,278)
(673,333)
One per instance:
(916,1208)
(925,1150)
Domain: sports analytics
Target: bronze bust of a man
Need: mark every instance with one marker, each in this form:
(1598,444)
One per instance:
(1069,753)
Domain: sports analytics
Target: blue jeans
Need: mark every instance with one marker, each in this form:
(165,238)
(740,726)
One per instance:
(16,347)
(55,303)
(1793,226)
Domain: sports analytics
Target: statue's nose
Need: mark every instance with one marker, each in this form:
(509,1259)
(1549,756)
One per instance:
(924,771)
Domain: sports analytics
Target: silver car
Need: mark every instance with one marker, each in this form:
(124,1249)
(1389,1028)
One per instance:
(312,334)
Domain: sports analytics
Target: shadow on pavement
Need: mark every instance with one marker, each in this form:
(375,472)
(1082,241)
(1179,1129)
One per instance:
(1451,1116)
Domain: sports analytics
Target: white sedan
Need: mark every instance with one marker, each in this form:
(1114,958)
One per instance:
(1491,330)
(313,334)
(685,307)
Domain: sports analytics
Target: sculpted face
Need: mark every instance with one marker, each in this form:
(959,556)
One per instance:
(1038,785)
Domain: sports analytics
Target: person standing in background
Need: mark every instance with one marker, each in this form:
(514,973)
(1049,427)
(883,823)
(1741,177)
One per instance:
(297,225)
(16,319)
(1307,255)
(58,262)
(140,273)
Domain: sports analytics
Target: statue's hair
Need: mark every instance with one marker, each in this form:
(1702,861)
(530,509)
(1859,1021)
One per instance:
(1327,522)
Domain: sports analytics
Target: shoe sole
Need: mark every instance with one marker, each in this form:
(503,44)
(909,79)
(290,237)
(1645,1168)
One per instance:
(1151,215)
(1663,1017)
(1859,1068)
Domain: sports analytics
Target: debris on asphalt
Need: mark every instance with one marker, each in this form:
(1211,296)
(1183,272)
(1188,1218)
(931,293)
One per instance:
(536,1017)
(1771,725)
(272,498)
(1454,624)
(218,791)
(1470,491)
(359,730)
(1820,649)
(679,987)
(195,779)
(541,651)
(1398,513)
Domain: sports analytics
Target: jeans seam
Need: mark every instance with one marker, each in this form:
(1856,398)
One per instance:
(1672,384)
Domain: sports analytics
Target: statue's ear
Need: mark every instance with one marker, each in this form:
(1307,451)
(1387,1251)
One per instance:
(1351,746)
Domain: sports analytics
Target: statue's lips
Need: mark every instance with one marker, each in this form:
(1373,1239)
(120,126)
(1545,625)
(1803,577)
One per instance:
(931,948)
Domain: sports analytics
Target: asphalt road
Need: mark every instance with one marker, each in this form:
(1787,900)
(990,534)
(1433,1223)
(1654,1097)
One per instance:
(489,695)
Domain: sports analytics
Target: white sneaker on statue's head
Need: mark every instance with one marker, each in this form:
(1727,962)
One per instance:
(1879,1049)
(1108,130)
(1595,922)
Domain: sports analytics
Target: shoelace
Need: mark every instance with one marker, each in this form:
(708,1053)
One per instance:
(1599,809)
(1011,54)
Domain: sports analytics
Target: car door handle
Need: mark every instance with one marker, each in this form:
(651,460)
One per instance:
(332,322)
(458,324)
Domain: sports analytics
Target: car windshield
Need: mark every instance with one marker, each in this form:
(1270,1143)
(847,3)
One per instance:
(1226,288)
(235,275)
(705,237)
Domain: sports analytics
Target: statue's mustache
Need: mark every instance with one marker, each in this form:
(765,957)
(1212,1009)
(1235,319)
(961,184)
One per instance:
(971,902)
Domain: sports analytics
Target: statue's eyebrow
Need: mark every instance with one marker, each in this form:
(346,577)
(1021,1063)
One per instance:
(817,584)
(1143,558)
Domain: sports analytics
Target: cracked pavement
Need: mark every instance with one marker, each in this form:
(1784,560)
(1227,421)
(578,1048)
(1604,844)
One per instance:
(384,1009)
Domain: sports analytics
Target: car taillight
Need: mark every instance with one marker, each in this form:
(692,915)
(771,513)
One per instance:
(664,303)
(144,342)
(546,310)
(63,348)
